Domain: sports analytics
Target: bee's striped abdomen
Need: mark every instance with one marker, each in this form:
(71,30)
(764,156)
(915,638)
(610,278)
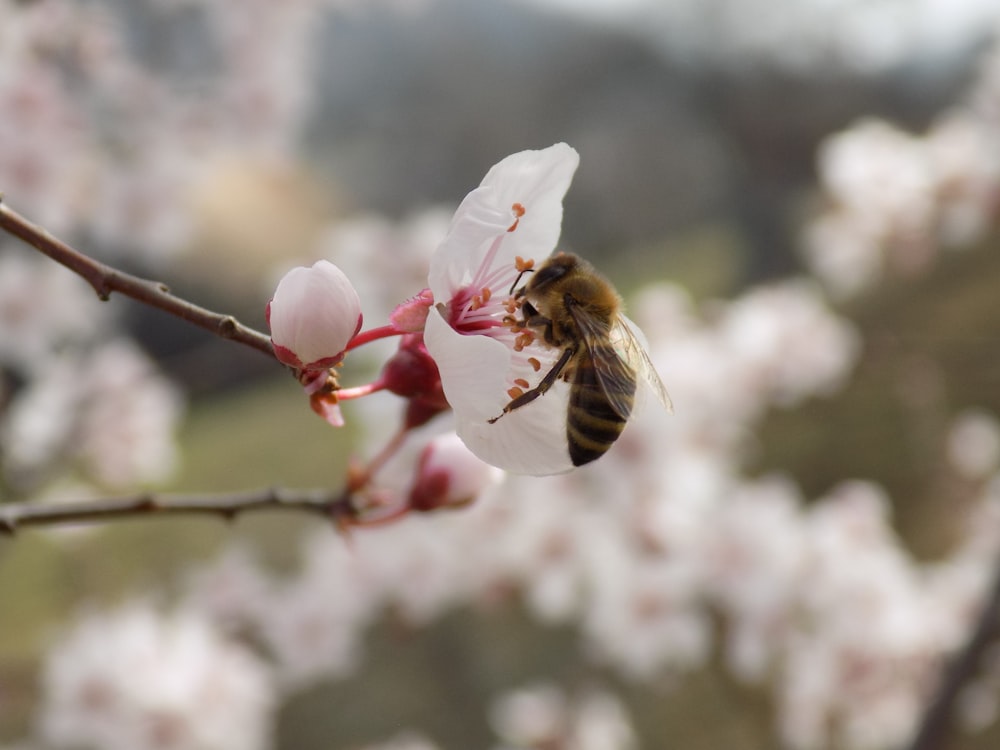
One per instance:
(592,424)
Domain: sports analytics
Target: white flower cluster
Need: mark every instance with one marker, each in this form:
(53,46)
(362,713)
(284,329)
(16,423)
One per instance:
(102,410)
(134,680)
(112,144)
(896,199)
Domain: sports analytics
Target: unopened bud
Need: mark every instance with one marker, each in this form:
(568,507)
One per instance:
(313,315)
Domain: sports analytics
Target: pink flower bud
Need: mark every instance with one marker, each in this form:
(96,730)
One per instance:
(449,475)
(413,374)
(313,315)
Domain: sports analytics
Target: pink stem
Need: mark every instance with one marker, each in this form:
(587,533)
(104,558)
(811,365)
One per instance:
(373,334)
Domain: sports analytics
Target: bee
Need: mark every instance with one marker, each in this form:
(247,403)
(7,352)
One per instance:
(574,308)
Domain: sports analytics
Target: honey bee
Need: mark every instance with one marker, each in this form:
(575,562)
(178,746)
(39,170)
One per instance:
(572,307)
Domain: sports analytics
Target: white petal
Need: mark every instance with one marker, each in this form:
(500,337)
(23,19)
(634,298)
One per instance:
(538,181)
(531,440)
(469,475)
(477,224)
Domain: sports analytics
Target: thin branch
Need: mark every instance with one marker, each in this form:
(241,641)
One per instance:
(937,720)
(106,279)
(338,507)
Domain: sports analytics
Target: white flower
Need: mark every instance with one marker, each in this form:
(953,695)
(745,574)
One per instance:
(131,679)
(516,213)
(313,315)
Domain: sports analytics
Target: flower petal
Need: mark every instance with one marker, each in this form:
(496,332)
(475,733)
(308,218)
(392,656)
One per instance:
(536,182)
(530,440)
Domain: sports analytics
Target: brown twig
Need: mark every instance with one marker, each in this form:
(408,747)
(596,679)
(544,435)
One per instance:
(937,720)
(338,507)
(105,280)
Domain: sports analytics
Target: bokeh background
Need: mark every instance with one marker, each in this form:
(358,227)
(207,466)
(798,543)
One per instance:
(797,199)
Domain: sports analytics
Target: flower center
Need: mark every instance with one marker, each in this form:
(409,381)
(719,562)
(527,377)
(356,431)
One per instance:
(491,307)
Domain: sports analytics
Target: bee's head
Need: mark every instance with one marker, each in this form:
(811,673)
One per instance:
(550,271)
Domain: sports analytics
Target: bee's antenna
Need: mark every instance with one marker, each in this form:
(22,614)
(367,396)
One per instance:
(518,279)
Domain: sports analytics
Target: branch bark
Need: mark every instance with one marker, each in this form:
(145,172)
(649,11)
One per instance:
(938,719)
(337,507)
(105,280)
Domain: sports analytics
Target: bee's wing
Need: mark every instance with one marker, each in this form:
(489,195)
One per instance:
(625,337)
(614,373)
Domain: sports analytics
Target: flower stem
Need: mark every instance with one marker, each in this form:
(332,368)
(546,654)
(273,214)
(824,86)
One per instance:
(373,334)
(345,394)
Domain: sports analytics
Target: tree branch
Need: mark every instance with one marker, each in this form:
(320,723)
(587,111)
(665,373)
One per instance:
(338,507)
(936,722)
(105,280)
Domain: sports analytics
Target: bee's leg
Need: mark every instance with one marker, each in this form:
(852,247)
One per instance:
(544,384)
(534,319)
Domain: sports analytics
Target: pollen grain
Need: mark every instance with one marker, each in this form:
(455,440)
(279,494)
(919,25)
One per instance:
(523,339)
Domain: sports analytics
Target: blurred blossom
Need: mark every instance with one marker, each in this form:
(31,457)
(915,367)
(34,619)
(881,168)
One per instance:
(873,639)
(787,344)
(515,213)
(313,315)
(36,428)
(879,179)
(964,153)
(232,590)
(104,412)
(603,724)
(755,564)
(111,144)
(312,625)
(44,310)
(43,177)
(844,253)
(126,429)
(531,717)
(541,716)
(404,741)
(645,615)
(135,680)
(896,199)
(108,411)
(449,475)
(974,444)
(544,544)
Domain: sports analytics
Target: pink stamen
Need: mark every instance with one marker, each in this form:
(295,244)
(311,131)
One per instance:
(480,280)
